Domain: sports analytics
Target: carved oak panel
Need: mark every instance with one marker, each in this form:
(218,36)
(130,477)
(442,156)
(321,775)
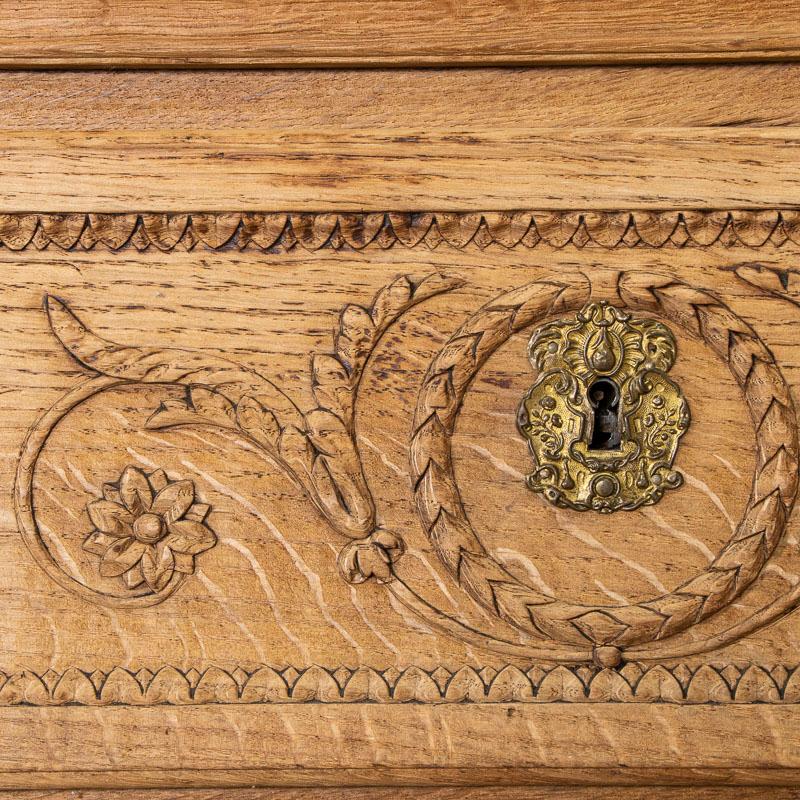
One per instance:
(405,472)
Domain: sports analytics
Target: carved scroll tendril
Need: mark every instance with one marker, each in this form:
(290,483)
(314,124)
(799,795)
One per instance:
(317,448)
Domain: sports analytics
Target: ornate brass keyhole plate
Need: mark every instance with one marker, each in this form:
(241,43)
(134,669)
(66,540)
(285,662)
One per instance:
(603,420)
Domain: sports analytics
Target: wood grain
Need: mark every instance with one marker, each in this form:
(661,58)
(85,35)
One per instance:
(763,95)
(269,591)
(421,793)
(265,338)
(386,33)
(220,747)
(315,170)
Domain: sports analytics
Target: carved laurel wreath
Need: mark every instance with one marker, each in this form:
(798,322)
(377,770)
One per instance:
(739,562)
(318,447)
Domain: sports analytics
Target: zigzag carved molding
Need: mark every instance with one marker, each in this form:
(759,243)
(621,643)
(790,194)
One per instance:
(278,232)
(632,683)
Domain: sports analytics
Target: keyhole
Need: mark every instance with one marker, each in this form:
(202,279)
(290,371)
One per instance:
(604,399)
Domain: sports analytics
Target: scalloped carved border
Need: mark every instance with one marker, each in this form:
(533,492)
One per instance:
(279,232)
(633,683)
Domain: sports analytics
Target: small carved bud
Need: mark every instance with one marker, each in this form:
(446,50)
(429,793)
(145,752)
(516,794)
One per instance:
(607,657)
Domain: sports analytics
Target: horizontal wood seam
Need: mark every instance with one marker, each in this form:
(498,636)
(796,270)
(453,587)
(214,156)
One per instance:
(387,34)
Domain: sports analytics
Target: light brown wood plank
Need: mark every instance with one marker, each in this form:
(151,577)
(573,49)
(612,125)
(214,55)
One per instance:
(387,32)
(329,747)
(241,609)
(402,170)
(496,99)
(423,793)
(271,312)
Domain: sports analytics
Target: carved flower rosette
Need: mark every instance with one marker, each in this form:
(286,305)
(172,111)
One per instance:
(147,529)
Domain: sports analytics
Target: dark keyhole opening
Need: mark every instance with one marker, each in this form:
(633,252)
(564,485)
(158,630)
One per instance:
(604,399)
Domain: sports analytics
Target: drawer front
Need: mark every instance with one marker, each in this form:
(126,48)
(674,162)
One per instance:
(339,470)
(380,428)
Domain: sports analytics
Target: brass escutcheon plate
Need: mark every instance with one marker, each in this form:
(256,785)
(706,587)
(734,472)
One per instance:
(603,421)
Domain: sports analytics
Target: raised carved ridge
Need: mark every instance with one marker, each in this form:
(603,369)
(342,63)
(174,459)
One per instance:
(316,447)
(278,232)
(632,683)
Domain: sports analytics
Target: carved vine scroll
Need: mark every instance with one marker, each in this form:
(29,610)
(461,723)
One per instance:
(315,442)
(317,447)
(609,629)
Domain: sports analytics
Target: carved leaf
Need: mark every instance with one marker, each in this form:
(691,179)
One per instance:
(16,230)
(560,684)
(315,684)
(135,491)
(366,684)
(74,687)
(215,230)
(355,336)
(263,230)
(609,686)
(173,501)
(416,685)
(510,685)
(189,537)
(265,685)
(110,518)
(258,422)
(336,473)
(296,450)
(165,230)
(658,684)
(168,686)
(756,686)
(466,686)
(133,577)
(332,385)
(708,686)
(120,687)
(201,406)
(158,566)
(197,370)
(216,686)
(24,687)
(112,230)
(391,300)
(120,557)
(98,542)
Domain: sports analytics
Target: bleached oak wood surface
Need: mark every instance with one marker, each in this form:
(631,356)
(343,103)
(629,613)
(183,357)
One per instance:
(227,538)
(402,170)
(390,33)
(498,100)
